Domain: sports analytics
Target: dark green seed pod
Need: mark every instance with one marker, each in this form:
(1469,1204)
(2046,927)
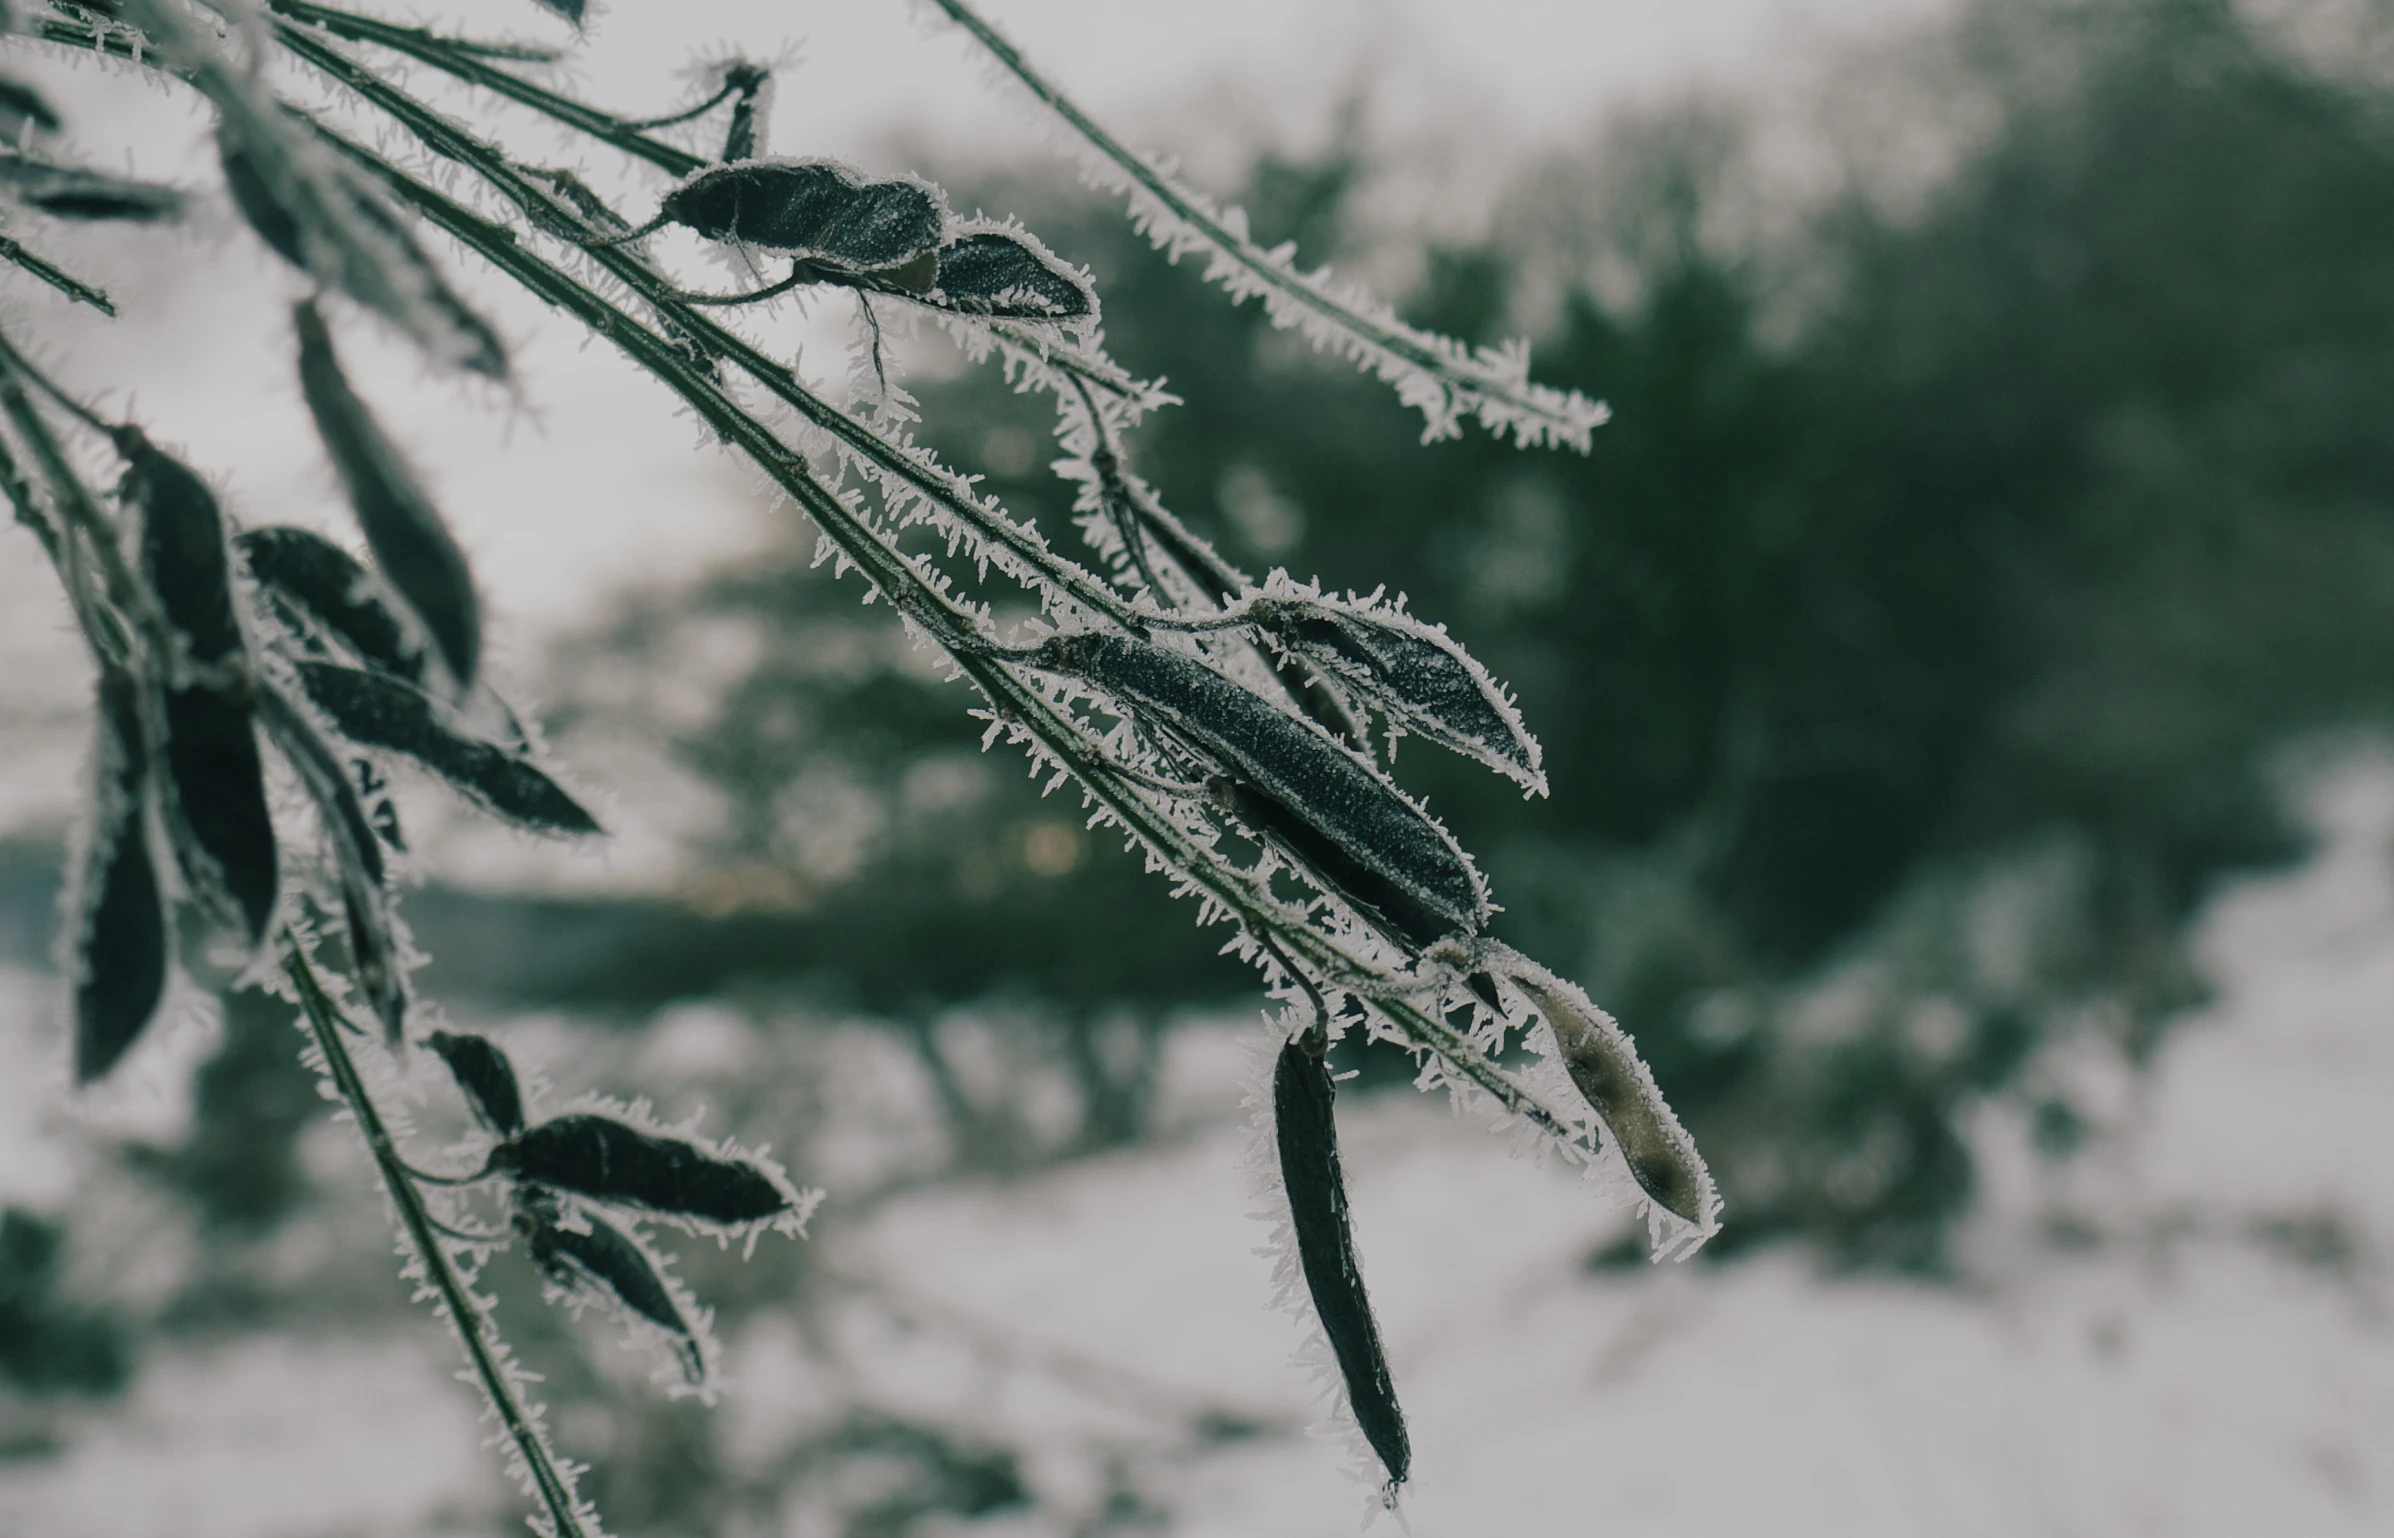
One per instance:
(990,272)
(182,546)
(1388,901)
(1292,764)
(608,1262)
(815,210)
(411,543)
(331,589)
(1307,1137)
(485,1077)
(121,947)
(380,712)
(606,1161)
(1415,673)
(21,106)
(70,192)
(224,835)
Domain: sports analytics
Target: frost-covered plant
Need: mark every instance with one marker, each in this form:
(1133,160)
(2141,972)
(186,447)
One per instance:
(256,685)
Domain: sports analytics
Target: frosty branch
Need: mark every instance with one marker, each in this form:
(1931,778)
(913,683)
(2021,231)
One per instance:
(1222,724)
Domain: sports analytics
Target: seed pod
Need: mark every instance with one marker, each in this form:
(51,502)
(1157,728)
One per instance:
(328,586)
(224,835)
(182,546)
(365,905)
(410,542)
(380,712)
(70,192)
(609,1262)
(989,272)
(1266,819)
(1413,672)
(1604,1066)
(1291,763)
(327,223)
(485,1077)
(21,106)
(120,946)
(1307,1135)
(606,1161)
(815,210)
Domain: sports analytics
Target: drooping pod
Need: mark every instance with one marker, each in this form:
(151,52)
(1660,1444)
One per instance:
(1293,765)
(411,543)
(1603,1065)
(120,947)
(1305,1133)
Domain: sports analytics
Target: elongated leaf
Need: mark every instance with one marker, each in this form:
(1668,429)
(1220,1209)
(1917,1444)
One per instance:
(571,10)
(1413,672)
(608,1262)
(121,946)
(1603,1065)
(410,542)
(224,835)
(1293,764)
(752,85)
(22,106)
(380,712)
(182,546)
(320,217)
(817,210)
(995,272)
(603,1159)
(357,849)
(71,192)
(1307,1137)
(485,1077)
(332,589)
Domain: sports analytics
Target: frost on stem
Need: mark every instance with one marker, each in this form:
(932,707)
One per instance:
(1441,377)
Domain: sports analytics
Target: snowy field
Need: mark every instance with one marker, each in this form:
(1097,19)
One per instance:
(2207,1353)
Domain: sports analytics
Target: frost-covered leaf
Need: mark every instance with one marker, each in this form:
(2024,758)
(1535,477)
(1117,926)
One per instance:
(571,10)
(1412,671)
(1002,273)
(601,1259)
(1292,764)
(607,1161)
(1603,1064)
(23,107)
(357,849)
(485,1077)
(1305,1132)
(751,86)
(120,947)
(223,833)
(411,543)
(815,210)
(182,546)
(71,192)
(321,218)
(381,712)
(331,588)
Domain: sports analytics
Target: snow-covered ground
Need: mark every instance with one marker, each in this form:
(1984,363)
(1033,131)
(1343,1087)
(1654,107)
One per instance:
(2209,1353)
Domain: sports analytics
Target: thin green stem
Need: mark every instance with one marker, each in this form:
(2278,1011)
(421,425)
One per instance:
(57,277)
(571,1517)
